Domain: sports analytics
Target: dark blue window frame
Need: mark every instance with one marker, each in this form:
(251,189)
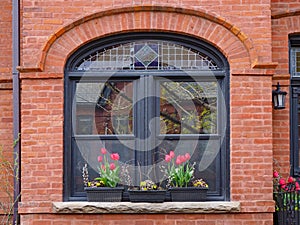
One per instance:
(71,77)
(294,44)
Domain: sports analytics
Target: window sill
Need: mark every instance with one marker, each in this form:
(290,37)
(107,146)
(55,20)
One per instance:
(128,207)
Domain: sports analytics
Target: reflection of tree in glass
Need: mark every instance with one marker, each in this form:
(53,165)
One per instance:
(115,104)
(185,107)
(188,107)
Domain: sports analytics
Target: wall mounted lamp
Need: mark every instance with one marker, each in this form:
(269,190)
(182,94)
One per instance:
(278,97)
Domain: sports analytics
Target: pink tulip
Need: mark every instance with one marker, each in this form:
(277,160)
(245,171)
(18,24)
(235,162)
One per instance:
(103,151)
(187,156)
(112,166)
(297,186)
(290,180)
(103,167)
(172,154)
(285,187)
(115,156)
(168,158)
(100,158)
(275,174)
(282,181)
(182,158)
(179,160)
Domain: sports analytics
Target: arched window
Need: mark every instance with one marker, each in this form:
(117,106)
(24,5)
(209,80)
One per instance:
(142,95)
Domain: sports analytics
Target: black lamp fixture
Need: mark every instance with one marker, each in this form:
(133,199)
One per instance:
(278,97)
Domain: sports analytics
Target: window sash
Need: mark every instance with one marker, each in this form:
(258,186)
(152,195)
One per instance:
(222,191)
(151,84)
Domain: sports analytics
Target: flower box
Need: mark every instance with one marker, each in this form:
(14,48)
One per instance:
(154,196)
(104,194)
(188,194)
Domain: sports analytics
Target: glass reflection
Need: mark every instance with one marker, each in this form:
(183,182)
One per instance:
(188,107)
(104,108)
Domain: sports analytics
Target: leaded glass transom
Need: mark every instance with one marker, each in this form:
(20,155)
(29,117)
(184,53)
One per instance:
(146,55)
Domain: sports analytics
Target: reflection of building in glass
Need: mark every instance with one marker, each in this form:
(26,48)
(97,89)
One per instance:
(108,105)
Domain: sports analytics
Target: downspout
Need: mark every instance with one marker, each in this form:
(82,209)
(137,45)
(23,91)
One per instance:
(16,106)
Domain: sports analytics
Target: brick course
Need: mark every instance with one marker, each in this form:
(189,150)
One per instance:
(133,219)
(5,40)
(251,118)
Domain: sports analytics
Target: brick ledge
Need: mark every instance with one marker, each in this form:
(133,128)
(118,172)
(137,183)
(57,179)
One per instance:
(149,208)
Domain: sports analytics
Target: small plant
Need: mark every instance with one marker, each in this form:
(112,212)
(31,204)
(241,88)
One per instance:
(200,183)
(109,170)
(148,185)
(286,193)
(281,184)
(179,171)
(7,199)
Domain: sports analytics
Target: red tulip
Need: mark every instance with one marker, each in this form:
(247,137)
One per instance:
(103,151)
(187,156)
(180,159)
(275,174)
(115,156)
(103,167)
(100,158)
(112,166)
(172,154)
(285,187)
(282,181)
(168,158)
(290,180)
(297,186)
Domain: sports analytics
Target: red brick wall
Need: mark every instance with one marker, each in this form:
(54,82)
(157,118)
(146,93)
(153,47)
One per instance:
(52,31)
(5,40)
(251,138)
(142,219)
(6,75)
(285,21)
(42,139)
(280,7)
(6,132)
(41,19)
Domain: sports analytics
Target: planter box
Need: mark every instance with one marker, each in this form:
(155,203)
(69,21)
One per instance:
(188,194)
(104,194)
(147,196)
(287,208)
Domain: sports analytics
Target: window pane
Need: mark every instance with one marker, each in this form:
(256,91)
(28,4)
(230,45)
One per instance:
(104,108)
(87,152)
(297,62)
(188,107)
(205,154)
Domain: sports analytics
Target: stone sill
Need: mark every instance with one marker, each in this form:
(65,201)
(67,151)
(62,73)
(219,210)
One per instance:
(128,207)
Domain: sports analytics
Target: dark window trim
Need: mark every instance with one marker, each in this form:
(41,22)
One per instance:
(295,108)
(193,43)
(294,43)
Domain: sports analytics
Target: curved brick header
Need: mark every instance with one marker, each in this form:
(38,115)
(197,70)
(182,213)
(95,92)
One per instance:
(233,43)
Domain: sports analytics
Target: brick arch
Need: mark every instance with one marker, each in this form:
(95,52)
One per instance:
(233,43)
